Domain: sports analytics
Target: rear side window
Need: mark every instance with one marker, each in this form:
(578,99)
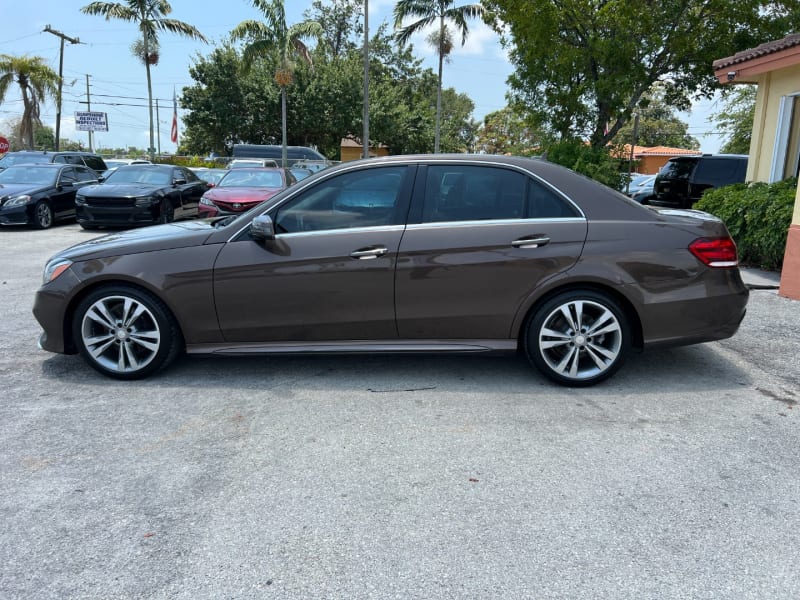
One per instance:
(678,169)
(479,193)
(717,171)
(94,162)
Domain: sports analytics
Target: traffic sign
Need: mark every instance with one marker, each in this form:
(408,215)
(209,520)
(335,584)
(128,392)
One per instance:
(3,145)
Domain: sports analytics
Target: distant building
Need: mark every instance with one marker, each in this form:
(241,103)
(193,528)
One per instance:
(353,149)
(775,144)
(650,159)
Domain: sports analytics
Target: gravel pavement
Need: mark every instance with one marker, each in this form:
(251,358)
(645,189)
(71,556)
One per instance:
(397,477)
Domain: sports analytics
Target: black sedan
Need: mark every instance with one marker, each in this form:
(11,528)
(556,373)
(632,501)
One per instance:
(40,194)
(140,195)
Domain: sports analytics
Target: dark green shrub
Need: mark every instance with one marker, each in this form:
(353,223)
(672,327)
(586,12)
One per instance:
(758,216)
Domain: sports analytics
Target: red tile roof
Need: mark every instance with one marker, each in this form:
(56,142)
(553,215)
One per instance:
(789,41)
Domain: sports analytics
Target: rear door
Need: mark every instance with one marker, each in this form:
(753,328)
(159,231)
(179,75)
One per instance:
(479,241)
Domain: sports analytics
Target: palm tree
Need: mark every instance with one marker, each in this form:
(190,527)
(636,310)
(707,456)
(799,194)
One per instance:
(428,12)
(150,18)
(275,36)
(36,81)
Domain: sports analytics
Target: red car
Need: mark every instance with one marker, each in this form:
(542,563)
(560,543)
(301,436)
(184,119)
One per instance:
(241,189)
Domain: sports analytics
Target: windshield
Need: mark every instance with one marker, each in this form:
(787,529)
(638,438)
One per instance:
(32,175)
(22,159)
(146,175)
(252,178)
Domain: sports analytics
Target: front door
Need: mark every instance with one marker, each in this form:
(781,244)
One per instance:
(329,274)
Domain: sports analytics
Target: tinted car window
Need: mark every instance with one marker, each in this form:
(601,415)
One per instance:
(678,169)
(68,174)
(366,198)
(84,174)
(717,172)
(475,193)
(94,162)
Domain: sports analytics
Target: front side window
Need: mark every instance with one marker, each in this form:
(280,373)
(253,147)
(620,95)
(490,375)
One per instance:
(366,198)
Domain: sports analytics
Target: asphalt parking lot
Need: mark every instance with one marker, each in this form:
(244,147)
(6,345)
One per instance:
(397,477)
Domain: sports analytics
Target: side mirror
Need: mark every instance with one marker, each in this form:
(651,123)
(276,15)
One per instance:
(262,228)
(179,182)
(64,184)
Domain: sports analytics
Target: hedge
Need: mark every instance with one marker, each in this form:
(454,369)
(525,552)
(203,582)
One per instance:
(758,216)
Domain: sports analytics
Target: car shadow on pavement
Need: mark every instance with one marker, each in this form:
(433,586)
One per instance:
(693,368)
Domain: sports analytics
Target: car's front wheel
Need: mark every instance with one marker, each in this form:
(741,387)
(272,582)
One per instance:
(125,332)
(42,215)
(578,338)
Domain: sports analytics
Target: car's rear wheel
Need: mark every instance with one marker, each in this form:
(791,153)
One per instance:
(125,332)
(578,338)
(42,215)
(166,212)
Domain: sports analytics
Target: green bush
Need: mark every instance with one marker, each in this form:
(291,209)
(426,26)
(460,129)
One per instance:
(758,216)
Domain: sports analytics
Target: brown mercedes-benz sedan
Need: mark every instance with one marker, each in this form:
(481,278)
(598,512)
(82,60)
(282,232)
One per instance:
(445,253)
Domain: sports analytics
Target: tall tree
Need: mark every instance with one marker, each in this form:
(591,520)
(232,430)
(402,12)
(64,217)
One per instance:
(274,36)
(427,13)
(735,120)
(658,124)
(151,19)
(36,82)
(582,66)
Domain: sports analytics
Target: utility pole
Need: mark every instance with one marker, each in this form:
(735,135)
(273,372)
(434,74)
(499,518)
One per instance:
(63,37)
(365,135)
(89,109)
(158,129)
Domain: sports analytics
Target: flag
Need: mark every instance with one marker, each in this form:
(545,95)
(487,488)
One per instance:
(174,133)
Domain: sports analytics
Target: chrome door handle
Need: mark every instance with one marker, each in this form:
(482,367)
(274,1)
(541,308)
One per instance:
(531,242)
(367,253)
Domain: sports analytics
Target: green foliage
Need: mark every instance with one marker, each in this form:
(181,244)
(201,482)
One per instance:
(758,217)
(658,124)
(325,102)
(736,118)
(582,66)
(507,132)
(36,82)
(596,163)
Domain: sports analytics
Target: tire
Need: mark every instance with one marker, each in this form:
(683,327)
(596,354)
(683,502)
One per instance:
(166,212)
(578,338)
(125,333)
(42,215)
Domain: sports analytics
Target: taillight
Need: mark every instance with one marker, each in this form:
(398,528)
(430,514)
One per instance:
(715,252)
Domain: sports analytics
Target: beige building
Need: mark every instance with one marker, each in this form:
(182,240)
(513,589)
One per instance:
(775,146)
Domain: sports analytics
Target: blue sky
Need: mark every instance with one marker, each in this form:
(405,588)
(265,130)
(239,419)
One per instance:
(117,81)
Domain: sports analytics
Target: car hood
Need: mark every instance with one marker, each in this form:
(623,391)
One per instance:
(8,190)
(241,194)
(183,234)
(123,190)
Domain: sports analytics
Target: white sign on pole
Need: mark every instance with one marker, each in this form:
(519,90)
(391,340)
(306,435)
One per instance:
(91,121)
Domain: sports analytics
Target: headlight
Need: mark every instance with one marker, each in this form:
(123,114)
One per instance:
(54,268)
(206,201)
(146,200)
(80,199)
(18,200)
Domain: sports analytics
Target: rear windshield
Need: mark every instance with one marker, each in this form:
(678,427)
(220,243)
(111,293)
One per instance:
(678,169)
